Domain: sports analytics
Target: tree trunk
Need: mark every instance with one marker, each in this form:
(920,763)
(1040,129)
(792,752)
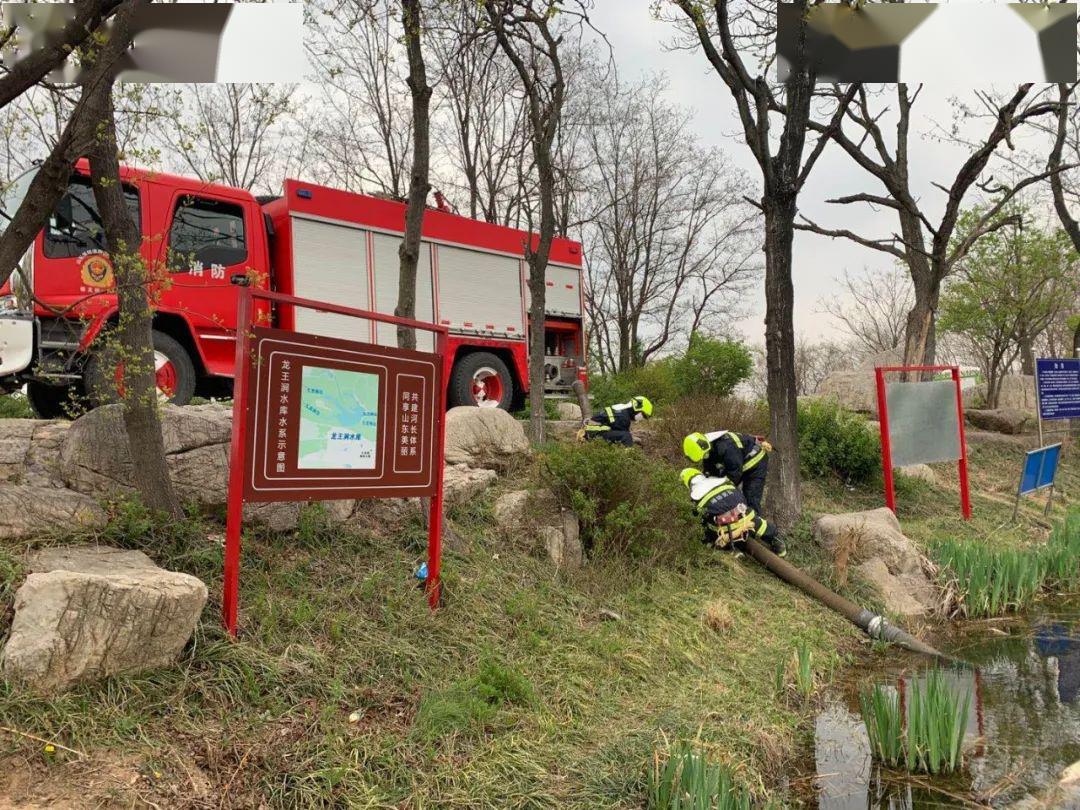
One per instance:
(1076,340)
(785,492)
(538,261)
(419,185)
(133,331)
(920,335)
(1027,355)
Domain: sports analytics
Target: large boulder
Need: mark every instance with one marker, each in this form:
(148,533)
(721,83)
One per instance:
(462,483)
(483,436)
(923,472)
(95,458)
(856,389)
(29,451)
(569,411)
(999,420)
(1018,391)
(883,557)
(26,511)
(86,613)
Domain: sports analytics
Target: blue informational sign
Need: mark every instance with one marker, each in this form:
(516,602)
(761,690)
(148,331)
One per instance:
(1058,382)
(1040,467)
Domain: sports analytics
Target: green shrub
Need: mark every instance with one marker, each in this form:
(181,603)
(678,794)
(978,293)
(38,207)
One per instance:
(628,504)
(835,441)
(712,367)
(15,406)
(655,380)
(689,781)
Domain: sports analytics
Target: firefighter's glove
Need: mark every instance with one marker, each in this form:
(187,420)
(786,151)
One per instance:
(766,446)
(580,435)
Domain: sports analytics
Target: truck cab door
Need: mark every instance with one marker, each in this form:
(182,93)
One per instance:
(208,243)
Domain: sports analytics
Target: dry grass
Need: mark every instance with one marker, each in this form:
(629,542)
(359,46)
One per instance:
(717,616)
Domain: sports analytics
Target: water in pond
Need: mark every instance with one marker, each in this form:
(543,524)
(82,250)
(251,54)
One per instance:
(1023,728)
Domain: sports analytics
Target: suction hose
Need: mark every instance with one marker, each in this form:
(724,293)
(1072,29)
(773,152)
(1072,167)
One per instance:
(873,624)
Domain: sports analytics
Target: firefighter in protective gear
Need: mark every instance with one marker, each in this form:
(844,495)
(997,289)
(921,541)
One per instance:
(740,458)
(727,518)
(613,423)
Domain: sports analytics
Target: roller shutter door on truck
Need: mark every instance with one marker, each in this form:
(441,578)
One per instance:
(563,296)
(330,263)
(480,292)
(387,266)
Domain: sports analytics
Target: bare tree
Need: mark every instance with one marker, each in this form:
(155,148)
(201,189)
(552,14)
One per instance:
(362,142)
(531,34)
(232,133)
(718,28)
(814,361)
(1067,134)
(669,236)
(872,308)
(928,249)
(419,186)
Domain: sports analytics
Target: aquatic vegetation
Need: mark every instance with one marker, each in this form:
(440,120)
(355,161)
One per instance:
(804,671)
(688,780)
(990,581)
(926,735)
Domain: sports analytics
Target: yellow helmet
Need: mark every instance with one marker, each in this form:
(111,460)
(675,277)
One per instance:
(689,474)
(642,405)
(695,446)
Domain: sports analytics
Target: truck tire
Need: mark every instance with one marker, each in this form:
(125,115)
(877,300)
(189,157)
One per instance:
(53,401)
(174,369)
(481,378)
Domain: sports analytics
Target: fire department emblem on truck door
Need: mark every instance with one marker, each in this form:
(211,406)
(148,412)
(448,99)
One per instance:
(96,270)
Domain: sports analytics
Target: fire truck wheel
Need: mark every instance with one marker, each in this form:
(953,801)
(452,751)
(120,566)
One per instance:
(173,370)
(53,401)
(481,379)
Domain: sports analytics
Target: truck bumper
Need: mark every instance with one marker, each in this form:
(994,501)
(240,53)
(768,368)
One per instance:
(16,343)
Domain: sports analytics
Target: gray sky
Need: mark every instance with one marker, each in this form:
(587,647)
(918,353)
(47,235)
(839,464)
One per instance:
(638,42)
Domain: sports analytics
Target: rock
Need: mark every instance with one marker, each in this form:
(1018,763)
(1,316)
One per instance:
(26,511)
(924,472)
(483,436)
(563,542)
(28,451)
(569,411)
(904,595)
(608,615)
(1001,420)
(1017,391)
(90,612)
(511,508)
(856,389)
(875,537)
(95,458)
(562,430)
(462,483)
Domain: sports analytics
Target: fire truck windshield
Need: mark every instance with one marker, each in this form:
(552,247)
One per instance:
(13,195)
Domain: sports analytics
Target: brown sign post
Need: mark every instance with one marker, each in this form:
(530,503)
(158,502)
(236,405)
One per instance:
(318,418)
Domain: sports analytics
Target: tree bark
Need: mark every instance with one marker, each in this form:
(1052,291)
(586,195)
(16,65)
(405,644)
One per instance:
(132,335)
(35,66)
(785,491)
(419,184)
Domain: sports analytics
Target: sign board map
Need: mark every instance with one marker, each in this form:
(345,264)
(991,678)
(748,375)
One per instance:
(339,415)
(1058,385)
(337,419)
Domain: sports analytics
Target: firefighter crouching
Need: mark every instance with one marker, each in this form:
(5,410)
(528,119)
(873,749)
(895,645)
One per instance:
(727,518)
(740,458)
(613,423)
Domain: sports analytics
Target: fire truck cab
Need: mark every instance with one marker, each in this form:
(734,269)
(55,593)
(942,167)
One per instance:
(201,240)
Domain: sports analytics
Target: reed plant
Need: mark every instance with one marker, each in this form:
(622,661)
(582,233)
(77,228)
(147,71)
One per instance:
(926,735)
(688,780)
(990,582)
(804,670)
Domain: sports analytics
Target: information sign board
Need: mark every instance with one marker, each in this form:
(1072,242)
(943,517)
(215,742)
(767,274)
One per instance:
(1058,384)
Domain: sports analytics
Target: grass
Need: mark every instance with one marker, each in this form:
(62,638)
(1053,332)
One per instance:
(689,781)
(928,736)
(344,690)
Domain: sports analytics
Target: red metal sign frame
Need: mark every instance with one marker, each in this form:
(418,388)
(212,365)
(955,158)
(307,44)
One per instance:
(239,442)
(886,442)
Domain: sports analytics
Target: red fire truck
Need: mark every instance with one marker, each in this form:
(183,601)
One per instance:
(313,242)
